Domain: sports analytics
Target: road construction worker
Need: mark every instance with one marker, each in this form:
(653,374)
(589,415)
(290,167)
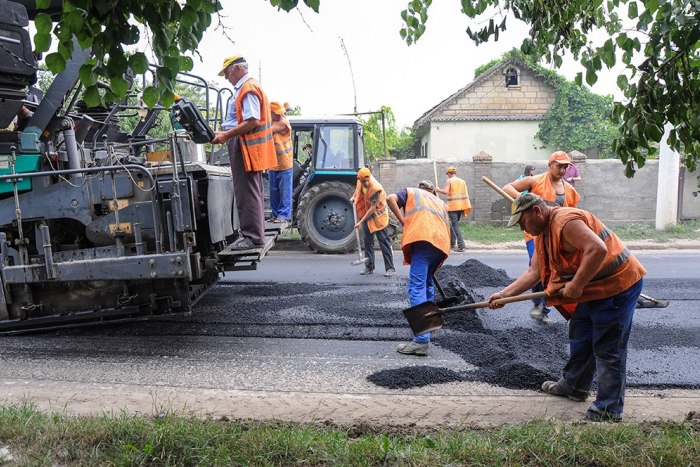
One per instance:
(370,199)
(552,188)
(281,174)
(457,205)
(247,132)
(594,281)
(425,243)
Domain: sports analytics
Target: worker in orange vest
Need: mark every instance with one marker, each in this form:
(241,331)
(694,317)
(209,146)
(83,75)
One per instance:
(594,281)
(247,132)
(551,187)
(281,174)
(370,199)
(458,204)
(425,243)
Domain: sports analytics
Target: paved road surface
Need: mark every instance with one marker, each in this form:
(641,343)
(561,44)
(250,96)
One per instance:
(302,350)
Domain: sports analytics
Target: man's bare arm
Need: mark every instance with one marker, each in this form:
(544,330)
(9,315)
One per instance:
(240,129)
(394,206)
(518,186)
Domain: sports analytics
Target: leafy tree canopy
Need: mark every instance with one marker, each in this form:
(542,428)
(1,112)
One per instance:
(658,41)
(399,142)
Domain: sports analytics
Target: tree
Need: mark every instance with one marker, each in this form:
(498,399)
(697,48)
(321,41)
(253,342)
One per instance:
(399,143)
(658,42)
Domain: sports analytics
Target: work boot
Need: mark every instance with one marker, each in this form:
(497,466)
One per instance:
(366,271)
(555,389)
(391,272)
(460,248)
(546,319)
(414,348)
(536,312)
(594,414)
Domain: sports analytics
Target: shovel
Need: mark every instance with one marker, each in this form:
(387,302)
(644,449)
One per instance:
(651,302)
(361,259)
(428,317)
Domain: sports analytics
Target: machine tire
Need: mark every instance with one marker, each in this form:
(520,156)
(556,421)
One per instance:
(325,220)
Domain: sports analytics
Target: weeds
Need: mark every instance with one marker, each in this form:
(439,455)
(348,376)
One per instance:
(37,438)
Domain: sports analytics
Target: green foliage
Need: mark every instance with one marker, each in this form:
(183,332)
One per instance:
(399,143)
(38,438)
(175,29)
(661,78)
(481,69)
(579,120)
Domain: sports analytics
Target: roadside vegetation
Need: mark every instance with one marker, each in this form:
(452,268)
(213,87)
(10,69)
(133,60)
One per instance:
(32,437)
(491,234)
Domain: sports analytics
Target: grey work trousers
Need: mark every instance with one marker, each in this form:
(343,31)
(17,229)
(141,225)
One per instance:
(384,244)
(249,195)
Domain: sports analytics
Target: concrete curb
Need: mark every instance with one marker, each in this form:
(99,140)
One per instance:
(299,246)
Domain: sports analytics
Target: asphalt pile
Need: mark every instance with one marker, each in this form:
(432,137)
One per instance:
(519,358)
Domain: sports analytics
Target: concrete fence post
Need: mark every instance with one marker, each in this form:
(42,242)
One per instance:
(480,192)
(386,174)
(579,159)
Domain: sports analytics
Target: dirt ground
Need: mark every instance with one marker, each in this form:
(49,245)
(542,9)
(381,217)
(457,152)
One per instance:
(375,412)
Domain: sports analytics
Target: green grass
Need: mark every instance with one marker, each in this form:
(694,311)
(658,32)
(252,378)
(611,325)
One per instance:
(489,234)
(39,438)
(688,230)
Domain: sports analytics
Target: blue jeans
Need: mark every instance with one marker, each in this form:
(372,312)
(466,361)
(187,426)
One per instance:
(599,331)
(530,244)
(281,193)
(424,262)
(455,233)
(384,244)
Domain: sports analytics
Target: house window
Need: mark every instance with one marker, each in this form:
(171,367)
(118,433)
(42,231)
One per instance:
(512,77)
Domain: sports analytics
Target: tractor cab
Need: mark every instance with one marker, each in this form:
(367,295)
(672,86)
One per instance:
(328,152)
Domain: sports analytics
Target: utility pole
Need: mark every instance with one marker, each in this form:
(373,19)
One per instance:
(352,76)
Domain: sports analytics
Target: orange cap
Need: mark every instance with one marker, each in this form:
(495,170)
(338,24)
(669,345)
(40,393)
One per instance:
(364,173)
(451,170)
(276,108)
(560,157)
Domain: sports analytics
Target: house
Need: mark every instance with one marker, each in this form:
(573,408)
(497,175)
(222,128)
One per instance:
(498,113)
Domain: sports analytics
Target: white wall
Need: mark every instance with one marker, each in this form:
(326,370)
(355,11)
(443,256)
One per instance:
(460,141)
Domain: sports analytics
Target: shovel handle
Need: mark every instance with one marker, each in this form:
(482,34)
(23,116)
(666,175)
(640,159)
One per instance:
(500,301)
(498,189)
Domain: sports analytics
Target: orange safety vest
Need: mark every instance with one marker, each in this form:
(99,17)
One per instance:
(618,271)
(380,218)
(543,188)
(257,145)
(458,196)
(425,220)
(283,147)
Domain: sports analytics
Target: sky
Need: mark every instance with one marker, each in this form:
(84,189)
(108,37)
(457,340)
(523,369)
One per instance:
(298,57)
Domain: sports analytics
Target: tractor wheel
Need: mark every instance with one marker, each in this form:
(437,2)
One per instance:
(325,220)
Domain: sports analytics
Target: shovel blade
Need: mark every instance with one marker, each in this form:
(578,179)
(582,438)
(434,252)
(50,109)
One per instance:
(419,322)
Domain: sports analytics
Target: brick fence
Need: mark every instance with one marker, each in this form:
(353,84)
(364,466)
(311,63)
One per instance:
(604,189)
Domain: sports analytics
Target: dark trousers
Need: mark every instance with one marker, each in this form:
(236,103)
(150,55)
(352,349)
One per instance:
(384,244)
(599,332)
(249,195)
(455,233)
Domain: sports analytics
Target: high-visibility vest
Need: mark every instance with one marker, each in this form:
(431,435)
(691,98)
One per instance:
(283,147)
(458,196)
(257,145)
(425,220)
(542,187)
(617,272)
(363,199)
